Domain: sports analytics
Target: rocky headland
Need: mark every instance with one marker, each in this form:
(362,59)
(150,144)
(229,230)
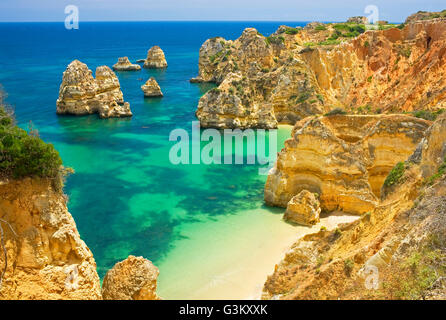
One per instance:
(81,94)
(42,256)
(155,59)
(124,64)
(396,250)
(343,158)
(299,72)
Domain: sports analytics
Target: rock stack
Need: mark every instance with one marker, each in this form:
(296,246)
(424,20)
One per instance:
(151,88)
(81,94)
(155,59)
(124,64)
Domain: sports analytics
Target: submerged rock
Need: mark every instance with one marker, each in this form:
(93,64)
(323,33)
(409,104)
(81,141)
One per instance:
(303,209)
(155,59)
(124,64)
(132,279)
(81,94)
(151,88)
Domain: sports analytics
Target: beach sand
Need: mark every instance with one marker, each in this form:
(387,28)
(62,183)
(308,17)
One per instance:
(231,256)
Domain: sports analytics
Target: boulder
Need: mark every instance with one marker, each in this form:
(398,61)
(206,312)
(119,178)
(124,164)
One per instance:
(151,88)
(132,279)
(155,59)
(303,208)
(124,64)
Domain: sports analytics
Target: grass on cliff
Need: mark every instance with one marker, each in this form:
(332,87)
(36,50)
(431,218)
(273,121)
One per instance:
(415,275)
(24,154)
(395,175)
(440,172)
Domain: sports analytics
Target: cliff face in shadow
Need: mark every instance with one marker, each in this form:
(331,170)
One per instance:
(298,72)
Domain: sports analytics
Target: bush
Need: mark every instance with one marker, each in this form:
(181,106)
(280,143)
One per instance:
(427,115)
(291,31)
(320,28)
(395,175)
(23,154)
(336,111)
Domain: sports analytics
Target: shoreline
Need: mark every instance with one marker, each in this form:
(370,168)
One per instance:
(221,267)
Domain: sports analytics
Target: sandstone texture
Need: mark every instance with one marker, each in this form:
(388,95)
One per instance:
(155,59)
(298,72)
(151,88)
(46,258)
(343,158)
(303,208)
(358,19)
(81,94)
(395,251)
(131,279)
(124,64)
(425,15)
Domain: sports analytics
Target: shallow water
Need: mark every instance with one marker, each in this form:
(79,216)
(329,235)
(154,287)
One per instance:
(203,226)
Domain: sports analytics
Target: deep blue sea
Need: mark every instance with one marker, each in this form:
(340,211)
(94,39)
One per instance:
(202,226)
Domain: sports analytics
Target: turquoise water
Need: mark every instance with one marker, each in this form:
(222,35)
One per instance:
(126,197)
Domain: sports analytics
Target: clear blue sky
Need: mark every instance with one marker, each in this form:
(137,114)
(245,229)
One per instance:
(278,10)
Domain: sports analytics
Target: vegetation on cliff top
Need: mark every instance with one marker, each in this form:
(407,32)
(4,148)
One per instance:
(24,154)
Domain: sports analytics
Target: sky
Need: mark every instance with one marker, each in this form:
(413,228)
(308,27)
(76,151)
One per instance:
(211,10)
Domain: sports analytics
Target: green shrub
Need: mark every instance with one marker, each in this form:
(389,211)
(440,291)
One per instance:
(23,154)
(440,172)
(320,28)
(348,266)
(336,111)
(290,30)
(395,175)
(427,115)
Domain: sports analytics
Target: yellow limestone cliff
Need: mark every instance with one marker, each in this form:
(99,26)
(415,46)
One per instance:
(395,251)
(46,258)
(298,72)
(343,158)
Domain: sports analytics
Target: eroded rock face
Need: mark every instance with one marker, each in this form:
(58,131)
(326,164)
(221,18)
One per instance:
(131,279)
(124,64)
(155,58)
(46,257)
(384,253)
(81,94)
(303,208)
(151,88)
(345,159)
(298,72)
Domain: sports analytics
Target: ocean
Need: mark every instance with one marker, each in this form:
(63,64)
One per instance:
(204,226)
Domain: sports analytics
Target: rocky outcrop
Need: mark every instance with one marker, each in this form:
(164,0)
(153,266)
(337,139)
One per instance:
(425,15)
(358,20)
(303,208)
(155,59)
(46,258)
(81,94)
(131,279)
(395,251)
(298,72)
(343,158)
(124,64)
(151,88)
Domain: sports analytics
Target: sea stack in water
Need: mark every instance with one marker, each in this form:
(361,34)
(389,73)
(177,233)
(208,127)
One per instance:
(151,88)
(132,279)
(155,59)
(81,94)
(124,64)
